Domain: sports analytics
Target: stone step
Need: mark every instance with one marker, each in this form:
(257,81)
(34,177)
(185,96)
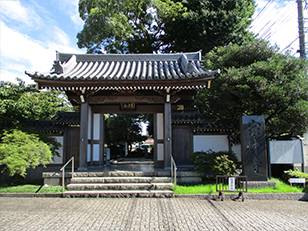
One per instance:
(121,180)
(122,174)
(120,194)
(119,186)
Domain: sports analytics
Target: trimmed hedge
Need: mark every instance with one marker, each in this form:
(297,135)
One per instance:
(219,163)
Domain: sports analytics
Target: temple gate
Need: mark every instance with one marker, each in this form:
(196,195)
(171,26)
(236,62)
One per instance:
(97,84)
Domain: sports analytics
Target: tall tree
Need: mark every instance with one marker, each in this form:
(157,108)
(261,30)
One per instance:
(207,24)
(146,26)
(120,26)
(256,79)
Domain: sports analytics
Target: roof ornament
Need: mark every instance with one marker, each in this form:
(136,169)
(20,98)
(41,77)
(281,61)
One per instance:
(57,68)
(188,66)
(66,67)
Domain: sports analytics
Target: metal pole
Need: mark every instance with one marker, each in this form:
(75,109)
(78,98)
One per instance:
(63,179)
(303,154)
(301,28)
(72,167)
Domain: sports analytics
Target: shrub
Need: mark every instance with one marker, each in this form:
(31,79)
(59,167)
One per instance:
(224,166)
(296,174)
(20,151)
(219,163)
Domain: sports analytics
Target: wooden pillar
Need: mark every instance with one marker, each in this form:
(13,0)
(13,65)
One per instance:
(167,133)
(101,139)
(84,108)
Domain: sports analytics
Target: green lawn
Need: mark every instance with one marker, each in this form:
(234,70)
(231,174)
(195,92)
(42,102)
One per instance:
(30,189)
(210,188)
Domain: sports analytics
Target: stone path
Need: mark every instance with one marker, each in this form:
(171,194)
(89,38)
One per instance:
(150,214)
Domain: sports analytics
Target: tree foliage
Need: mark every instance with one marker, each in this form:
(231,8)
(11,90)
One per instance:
(147,26)
(257,80)
(20,151)
(119,26)
(20,103)
(207,24)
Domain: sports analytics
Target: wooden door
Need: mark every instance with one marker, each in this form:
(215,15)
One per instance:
(72,144)
(182,144)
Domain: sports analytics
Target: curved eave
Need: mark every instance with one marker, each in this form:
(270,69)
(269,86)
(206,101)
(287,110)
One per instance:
(56,84)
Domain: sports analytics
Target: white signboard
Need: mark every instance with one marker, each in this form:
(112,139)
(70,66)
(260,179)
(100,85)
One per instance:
(285,152)
(297,180)
(231,183)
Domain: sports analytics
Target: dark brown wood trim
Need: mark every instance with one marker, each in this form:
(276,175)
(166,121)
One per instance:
(91,136)
(149,109)
(102,83)
(155,138)
(101,139)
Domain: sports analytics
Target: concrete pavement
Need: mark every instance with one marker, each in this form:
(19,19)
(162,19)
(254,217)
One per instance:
(150,214)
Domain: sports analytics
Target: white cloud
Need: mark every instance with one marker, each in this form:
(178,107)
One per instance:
(19,52)
(71,6)
(24,15)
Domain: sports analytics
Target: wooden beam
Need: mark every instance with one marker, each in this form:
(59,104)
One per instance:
(113,109)
(167,134)
(83,136)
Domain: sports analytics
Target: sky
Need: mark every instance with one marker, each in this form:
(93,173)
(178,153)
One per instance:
(31,31)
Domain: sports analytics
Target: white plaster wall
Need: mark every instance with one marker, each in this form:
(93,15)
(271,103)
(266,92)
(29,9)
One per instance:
(89,123)
(160,152)
(95,152)
(160,126)
(213,142)
(237,150)
(89,153)
(58,159)
(96,126)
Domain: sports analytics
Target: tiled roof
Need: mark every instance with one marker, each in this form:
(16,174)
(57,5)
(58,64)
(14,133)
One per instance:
(125,67)
(198,122)
(47,126)
(187,117)
(67,118)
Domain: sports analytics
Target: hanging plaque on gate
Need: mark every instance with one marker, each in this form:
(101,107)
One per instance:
(128,106)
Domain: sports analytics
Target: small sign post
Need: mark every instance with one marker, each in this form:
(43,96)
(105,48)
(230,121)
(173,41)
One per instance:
(297,181)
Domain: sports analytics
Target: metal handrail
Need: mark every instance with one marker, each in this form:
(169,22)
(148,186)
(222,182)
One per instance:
(63,172)
(173,170)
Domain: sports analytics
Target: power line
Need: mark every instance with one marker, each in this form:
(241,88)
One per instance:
(279,16)
(274,17)
(261,12)
(290,44)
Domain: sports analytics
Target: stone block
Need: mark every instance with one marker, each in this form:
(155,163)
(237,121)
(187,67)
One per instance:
(254,157)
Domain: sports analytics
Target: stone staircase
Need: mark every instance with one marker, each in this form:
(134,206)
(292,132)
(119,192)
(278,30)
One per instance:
(119,184)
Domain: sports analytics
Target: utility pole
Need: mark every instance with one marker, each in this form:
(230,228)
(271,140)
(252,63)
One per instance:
(301,27)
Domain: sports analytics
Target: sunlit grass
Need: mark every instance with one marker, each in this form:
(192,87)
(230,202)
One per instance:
(210,188)
(30,189)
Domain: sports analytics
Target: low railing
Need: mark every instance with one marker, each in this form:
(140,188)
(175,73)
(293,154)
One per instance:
(63,172)
(173,170)
(231,184)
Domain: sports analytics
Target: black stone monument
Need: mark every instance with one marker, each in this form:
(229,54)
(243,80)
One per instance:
(254,158)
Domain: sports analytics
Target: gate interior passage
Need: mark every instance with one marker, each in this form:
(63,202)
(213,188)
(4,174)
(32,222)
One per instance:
(231,184)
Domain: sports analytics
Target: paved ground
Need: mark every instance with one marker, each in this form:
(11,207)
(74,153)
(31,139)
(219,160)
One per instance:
(150,214)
